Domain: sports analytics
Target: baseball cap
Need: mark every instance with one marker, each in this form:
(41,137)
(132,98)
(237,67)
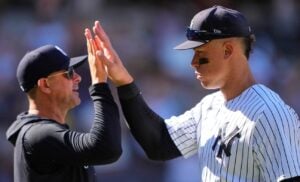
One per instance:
(216,22)
(43,61)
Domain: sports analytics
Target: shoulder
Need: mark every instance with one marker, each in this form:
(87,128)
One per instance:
(274,110)
(267,96)
(267,100)
(42,132)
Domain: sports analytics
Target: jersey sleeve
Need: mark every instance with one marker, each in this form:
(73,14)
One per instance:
(276,142)
(183,130)
(147,127)
(57,143)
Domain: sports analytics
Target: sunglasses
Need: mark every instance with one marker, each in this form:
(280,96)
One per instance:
(203,35)
(69,74)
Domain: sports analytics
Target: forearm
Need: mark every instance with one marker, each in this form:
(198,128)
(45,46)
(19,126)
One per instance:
(106,131)
(147,127)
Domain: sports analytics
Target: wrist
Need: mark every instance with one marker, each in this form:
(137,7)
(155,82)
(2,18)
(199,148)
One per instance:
(98,79)
(123,81)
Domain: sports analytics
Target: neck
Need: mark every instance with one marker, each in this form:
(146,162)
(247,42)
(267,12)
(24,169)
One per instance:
(234,90)
(240,80)
(47,111)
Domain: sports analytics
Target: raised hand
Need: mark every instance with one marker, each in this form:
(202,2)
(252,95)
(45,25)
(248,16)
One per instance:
(95,56)
(115,68)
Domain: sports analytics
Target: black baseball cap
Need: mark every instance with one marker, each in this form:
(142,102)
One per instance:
(43,61)
(216,22)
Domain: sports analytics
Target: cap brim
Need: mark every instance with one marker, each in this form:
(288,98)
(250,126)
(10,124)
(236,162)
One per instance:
(189,44)
(77,61)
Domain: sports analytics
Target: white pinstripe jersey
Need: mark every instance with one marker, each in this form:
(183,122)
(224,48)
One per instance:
(253,137)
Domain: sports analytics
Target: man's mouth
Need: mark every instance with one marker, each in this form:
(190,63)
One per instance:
(75,89)
(198,75)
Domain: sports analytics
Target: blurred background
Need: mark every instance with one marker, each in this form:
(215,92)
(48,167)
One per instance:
(144,33)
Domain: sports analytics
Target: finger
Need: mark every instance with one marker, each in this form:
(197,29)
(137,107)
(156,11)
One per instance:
(99,53)
(101,57)
(102,53)
(105,62)
(98,30)
(90,40)
(93,46)
(102,47)
(87,34)
(98,42)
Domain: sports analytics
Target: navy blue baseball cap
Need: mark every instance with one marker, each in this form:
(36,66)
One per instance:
(216,22)
(43,61)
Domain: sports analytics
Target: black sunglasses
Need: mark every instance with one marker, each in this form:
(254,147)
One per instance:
(69,74)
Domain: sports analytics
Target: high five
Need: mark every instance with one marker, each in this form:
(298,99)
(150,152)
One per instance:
(242,132)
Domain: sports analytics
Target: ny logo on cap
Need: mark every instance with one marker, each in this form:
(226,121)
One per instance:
(22,88)
(217,31)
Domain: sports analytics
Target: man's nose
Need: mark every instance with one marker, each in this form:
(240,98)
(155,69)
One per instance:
(194,62)
(77,77)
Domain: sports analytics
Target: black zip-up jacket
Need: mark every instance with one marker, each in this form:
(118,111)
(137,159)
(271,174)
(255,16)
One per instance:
(45,150)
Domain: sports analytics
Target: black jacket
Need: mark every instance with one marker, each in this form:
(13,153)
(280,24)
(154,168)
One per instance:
(48,151)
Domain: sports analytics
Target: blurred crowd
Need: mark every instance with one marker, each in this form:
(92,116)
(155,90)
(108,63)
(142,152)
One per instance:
(144,33)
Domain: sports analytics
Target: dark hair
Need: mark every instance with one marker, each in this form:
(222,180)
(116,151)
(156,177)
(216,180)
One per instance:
(248,44)
(32,92)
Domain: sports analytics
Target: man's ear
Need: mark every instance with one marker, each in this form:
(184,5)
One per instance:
(43,85)
(228,50)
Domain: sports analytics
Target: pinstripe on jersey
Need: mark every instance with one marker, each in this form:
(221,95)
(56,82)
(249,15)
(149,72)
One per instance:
(253,137)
